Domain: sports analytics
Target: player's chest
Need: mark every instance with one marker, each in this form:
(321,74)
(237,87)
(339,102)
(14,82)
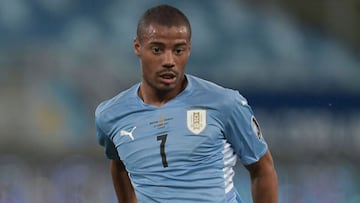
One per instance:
(170,136)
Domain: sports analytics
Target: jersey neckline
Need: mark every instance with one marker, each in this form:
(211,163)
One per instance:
(183,93)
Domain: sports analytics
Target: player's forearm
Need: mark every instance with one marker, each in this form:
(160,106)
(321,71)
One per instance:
(264,183)
(122,185)
(265,188)
(124,193)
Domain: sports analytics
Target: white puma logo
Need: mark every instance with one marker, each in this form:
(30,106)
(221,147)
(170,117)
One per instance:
(130,134)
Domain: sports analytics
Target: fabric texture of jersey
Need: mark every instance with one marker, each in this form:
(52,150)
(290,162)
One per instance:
(185,150)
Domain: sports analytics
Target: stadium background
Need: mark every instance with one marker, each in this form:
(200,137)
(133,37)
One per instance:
(297,63)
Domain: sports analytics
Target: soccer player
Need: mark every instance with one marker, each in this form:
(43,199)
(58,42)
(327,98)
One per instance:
(174,137)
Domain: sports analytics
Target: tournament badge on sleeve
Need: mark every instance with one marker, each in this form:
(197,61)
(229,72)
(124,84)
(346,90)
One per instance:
(256,127)
(196,120)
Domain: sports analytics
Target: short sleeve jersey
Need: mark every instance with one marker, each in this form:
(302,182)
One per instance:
(185,150)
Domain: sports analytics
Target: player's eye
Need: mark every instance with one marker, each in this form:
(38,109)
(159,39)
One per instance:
(156,50)
(179,51)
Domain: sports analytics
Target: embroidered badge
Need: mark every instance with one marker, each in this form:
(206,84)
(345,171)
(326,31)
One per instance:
(196,120)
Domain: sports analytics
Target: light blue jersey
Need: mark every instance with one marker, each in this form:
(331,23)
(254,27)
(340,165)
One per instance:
(185,150)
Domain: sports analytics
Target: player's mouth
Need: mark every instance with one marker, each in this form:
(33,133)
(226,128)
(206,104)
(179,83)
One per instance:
(167,77)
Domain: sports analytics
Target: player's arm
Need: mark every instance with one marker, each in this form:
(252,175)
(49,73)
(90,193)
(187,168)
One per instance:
(124,190)
(264,184)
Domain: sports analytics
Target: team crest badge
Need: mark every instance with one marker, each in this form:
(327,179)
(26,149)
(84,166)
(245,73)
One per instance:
(196,120)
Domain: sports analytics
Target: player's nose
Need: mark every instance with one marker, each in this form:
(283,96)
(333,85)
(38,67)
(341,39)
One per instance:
(168,61)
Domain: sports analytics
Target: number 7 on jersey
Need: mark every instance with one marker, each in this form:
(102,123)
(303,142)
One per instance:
(162,149)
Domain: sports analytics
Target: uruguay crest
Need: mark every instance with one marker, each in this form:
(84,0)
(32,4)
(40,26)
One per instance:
(196,120)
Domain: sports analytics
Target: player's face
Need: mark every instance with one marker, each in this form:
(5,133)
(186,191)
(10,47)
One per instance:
(163,53)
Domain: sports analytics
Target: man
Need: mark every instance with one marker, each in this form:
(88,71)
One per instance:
(174,137)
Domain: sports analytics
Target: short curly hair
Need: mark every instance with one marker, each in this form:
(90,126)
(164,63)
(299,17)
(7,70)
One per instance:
(164,15)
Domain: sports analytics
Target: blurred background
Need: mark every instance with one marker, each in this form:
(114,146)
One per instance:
(297,62)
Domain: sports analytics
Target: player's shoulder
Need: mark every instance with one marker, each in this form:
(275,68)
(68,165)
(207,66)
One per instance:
(200,84)
(120,100)
(215,90)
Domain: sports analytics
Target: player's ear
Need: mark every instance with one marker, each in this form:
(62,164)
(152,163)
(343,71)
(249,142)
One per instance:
(189,49)
(137,46)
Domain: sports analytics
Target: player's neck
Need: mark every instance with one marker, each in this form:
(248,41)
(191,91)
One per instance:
(158,98)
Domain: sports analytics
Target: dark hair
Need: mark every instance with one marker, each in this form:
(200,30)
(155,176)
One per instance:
(164,15)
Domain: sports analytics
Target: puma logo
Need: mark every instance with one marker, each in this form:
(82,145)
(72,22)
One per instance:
(128,133)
